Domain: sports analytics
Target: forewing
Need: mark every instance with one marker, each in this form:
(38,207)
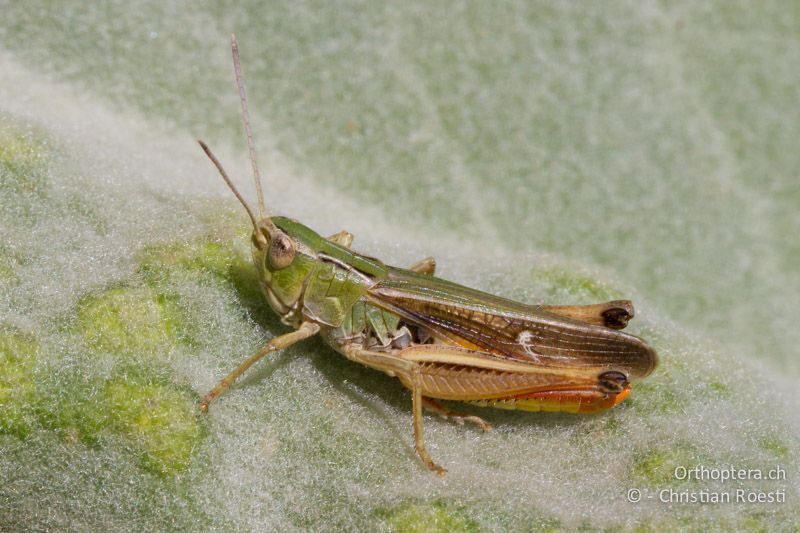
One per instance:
(524,333)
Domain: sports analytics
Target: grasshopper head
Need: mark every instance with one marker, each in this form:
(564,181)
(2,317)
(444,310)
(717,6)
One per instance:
(280,276)
(275,252)
(284,253)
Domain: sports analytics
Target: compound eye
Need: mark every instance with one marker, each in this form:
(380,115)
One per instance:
(281,252)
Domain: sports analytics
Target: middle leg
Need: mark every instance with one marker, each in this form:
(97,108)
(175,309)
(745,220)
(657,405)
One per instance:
(424,266)
(343,238)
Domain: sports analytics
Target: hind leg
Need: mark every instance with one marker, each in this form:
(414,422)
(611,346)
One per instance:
(409,372)
(432,405)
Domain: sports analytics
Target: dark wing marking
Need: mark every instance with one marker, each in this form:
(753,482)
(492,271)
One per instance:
(524,333)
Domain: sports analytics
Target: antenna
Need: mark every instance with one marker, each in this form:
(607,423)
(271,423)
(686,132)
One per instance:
(265,221)
(224,175)
(237,68)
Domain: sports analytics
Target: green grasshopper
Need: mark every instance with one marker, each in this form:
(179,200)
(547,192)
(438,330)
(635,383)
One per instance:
(443,341)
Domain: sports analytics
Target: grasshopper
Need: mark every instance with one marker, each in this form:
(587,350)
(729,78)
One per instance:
(443,341)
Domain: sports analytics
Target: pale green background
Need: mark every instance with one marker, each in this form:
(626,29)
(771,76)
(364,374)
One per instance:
(652,145)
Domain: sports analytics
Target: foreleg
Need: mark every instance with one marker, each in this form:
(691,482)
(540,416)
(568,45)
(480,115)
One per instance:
(306,329)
